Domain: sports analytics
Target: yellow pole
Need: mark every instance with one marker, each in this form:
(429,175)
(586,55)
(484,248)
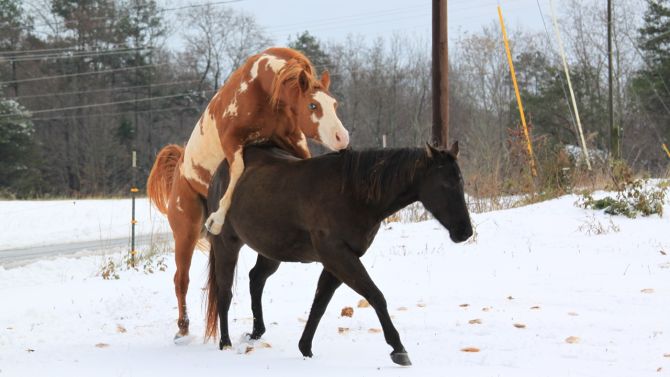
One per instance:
(665,148)
(518,96)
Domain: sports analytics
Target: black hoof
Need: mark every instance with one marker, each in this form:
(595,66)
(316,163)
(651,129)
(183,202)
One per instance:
(225,344)
(401,358)
(305,350)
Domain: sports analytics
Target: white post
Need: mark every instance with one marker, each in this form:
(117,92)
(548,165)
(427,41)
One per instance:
(572,93)
(384,141)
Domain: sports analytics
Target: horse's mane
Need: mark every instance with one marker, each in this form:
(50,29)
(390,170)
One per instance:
(290,75)
(367,173)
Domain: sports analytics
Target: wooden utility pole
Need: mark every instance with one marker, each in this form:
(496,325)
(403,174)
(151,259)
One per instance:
(615,137)
(440,72)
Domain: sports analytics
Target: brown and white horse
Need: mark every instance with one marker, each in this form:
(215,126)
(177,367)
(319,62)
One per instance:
(274,95)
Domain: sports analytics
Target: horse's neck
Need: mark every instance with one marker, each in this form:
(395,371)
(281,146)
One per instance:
(400,196)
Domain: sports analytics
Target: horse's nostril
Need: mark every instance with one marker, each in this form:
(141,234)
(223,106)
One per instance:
(337,137)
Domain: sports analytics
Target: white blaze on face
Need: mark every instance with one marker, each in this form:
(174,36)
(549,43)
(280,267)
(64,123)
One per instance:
(273,62)
(331,131)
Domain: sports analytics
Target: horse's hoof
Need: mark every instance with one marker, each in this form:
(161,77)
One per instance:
(401,358)
(213,226)
(255,335)
(225,345)
(182,339)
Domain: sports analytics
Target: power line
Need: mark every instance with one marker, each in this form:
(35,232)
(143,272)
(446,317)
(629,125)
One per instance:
(81,74)
(106,89)
(71,55)
(99,115)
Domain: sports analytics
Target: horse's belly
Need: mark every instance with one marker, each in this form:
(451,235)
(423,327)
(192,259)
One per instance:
(281,246)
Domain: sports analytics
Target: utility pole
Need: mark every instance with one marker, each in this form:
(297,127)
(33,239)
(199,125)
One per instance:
(440,71)
(615,137)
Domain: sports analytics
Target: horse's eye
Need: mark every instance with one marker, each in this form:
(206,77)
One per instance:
(312,106)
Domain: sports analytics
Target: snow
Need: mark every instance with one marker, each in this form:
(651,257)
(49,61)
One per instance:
(541,266)
(35,223)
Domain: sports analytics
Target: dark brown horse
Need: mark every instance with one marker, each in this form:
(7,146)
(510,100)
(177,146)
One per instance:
(326,209)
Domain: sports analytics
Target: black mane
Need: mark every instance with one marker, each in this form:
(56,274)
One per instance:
(367,172)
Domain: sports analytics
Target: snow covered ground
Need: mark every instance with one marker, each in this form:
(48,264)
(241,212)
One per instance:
(536,291)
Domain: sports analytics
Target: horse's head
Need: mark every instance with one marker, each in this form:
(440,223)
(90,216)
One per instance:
(312,106)
(441,192)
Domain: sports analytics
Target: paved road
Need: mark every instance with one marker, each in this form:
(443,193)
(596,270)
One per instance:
(16,257)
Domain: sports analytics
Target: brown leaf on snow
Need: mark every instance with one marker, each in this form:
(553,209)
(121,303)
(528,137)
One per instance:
(475,321)
(363,303)
(572,339)
(120,329)
(535,307)
(659,369)
(374,330)
(421,305)
(573,314)
(248,350)
(265,345)
(647,290)
(510,298)
(464,305)
(662,252)
(666,355)
(470,349)
(347,311)
(342,330)
(402,309)
(486,309)
(30,350)
(102,345)
(519,325)
(302,320)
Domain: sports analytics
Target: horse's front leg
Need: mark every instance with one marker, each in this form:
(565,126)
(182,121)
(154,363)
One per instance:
(227,249)
(236,162)
(257,277)
(346,266)
(324,292)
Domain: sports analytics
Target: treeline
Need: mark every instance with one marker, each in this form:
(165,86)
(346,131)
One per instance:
(85,82)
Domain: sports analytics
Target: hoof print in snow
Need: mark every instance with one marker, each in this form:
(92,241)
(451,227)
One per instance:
(342,330)
(475,321)
(572,340)
(347,311)
(470,349)
(647,290)
(519,325)
(363,303)
(102,345)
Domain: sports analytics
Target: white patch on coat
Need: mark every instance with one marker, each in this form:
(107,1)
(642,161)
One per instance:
(179,204)
(203,150)
(274,63)
(329,124)
(243,87)
(231,110)
(302,143)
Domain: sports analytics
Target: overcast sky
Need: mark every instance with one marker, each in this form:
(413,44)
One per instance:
(334,20)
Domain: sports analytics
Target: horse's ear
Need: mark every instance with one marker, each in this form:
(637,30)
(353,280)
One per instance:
(454,149)
(431,151)
(325,79)
(303,81)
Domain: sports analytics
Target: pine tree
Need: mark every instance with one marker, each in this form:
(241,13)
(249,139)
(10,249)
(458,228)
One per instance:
(310,46)
(17,161)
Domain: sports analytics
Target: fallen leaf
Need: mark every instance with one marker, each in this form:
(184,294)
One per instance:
(266,345)
(421,305)
(486,309)
(535,307)
(519,325)
(30,350)
(470,349)
(573,314)
(476,321)
(302,320)
(249,350)
(374,330)
(647,290)
(120,329)
(347,311)
(662,252)
(572,339)
(342,330)
(102,345)
(464,305)
(363,303)
(510,298)
(402,309)
(659,369)
(10,328)
(666,355)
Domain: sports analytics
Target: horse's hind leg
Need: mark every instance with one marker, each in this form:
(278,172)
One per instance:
(185,214)
(257,277)
(324,292)
(347,267)
(227,248)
